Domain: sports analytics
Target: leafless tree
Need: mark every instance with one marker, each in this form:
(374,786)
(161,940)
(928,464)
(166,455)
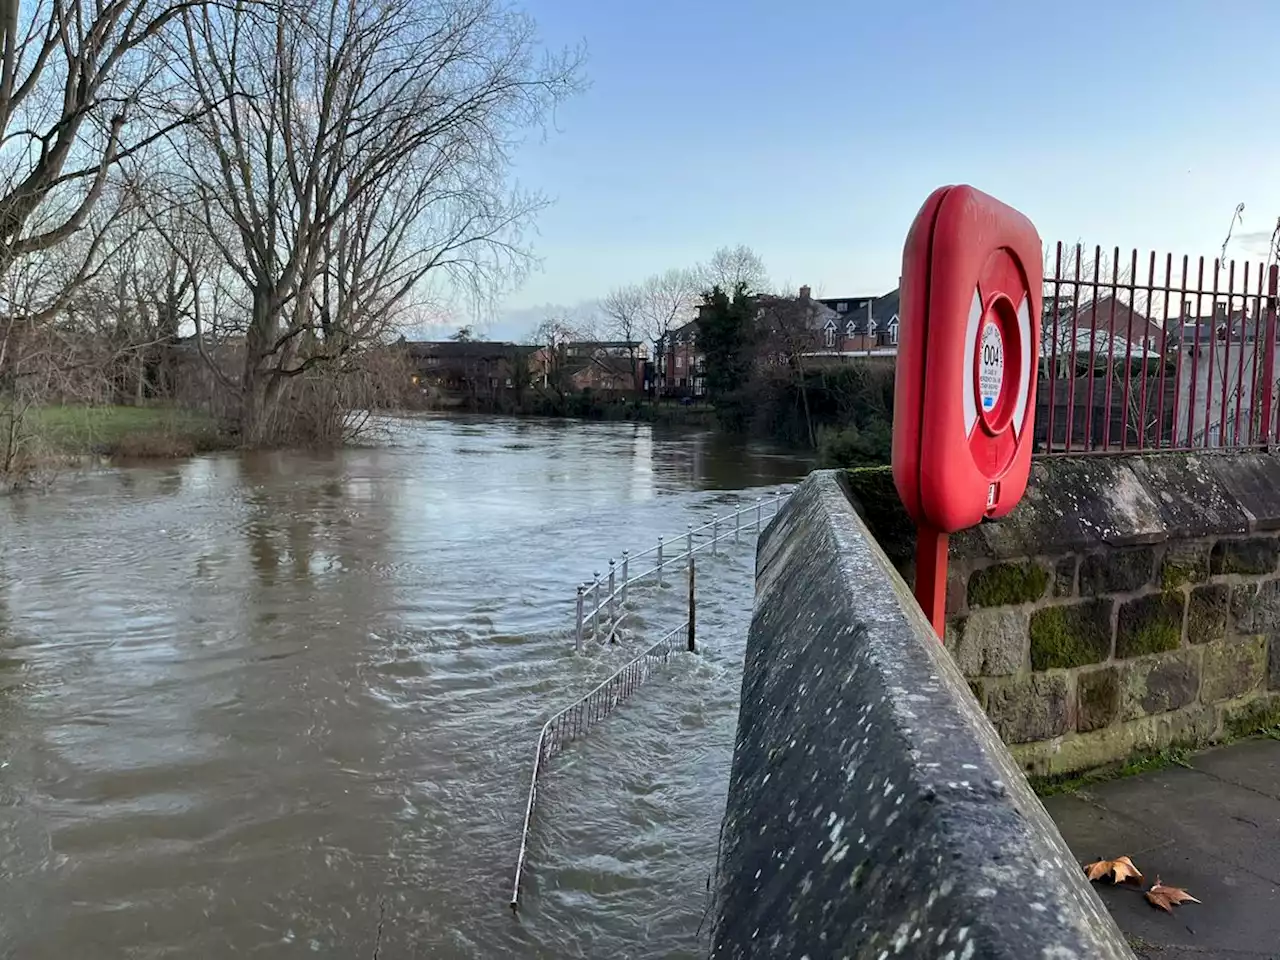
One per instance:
(623,309)
(345,154)
(79,81)
(730,266)
(788,335)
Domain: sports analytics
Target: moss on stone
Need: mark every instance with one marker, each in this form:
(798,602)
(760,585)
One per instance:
(1071,636)
(1098,693)
(875,496)
(1256,716)
(1142,761)
(1251,555)
(1183,564)
(1207,612)
(1174,575)
(1007,583)
(1150,624)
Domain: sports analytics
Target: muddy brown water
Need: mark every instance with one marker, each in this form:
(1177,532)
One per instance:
(285,704)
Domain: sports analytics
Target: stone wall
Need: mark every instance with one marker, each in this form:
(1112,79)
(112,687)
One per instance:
(873,810)
(1126,606)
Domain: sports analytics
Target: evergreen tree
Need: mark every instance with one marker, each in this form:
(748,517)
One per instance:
(726,339)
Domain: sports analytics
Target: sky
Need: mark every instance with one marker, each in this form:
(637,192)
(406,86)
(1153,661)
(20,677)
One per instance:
(812,130)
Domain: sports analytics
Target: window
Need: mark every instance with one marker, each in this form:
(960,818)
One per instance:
(679,363)
(871,328)
(849,329)
(829,335)
(893,331)
(842,308)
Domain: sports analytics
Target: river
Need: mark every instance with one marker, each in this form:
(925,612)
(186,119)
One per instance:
(285,704)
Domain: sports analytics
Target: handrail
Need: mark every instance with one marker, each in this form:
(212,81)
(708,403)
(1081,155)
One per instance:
(598,600)
(568,724)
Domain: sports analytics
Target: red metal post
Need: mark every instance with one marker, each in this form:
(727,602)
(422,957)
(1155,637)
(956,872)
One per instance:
(931,576)
(1071,373)
(1111,351)
(1164,354)
(1269,355)
(1146,358)
(1195,357)
(1093,348)
(1053,347)
(1255,383)
(1128,351)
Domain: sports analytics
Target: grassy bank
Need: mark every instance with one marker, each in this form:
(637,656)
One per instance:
(123,432)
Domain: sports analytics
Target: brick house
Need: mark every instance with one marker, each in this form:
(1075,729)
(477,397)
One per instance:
(469,369)
(612,366)
(680,366)
(859,325)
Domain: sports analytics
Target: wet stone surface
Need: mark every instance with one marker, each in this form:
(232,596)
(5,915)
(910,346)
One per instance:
(873,810)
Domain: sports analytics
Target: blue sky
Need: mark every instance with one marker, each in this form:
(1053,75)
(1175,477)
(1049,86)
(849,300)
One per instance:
(812,130)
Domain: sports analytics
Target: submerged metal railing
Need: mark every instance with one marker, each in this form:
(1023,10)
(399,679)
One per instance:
(572,722)
(601,602)
(576,719)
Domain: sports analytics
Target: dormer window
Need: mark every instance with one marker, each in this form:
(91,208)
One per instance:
(849,329)
(829,333)
(893,330)
(871,328)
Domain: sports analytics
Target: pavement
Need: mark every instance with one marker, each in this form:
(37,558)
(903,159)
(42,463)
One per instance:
(1212,828)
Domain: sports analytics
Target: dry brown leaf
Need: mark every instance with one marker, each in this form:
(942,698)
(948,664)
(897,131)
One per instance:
(1166,897)
(1120,869)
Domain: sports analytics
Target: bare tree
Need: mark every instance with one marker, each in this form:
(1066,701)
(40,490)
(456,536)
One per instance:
(731,266)
(623,309)
(788,335)
(345,152)
(78,84)
(665,300)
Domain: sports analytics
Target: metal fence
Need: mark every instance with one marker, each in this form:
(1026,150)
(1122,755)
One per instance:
(1144,353)
(576,719)
(602,601)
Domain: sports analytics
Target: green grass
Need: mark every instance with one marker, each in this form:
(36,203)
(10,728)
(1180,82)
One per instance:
(153,431)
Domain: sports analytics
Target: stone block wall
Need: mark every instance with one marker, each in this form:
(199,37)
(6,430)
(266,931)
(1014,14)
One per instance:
(1128,605)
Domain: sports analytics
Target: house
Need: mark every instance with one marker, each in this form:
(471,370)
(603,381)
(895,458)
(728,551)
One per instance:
(834,328)
(466,369)
(614,366)
(866,325)
(679,364)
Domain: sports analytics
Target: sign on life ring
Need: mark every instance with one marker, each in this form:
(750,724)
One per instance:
(968,349)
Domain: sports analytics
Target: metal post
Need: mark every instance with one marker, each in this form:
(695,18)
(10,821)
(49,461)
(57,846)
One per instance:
(595,617)
(582,591)
(715,535)
(688,542)
(659,561)
(737,524)
(759,513)
(626,574)
(613,615)
(693,644)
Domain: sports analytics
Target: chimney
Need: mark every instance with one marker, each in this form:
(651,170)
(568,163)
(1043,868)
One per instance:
(804,292)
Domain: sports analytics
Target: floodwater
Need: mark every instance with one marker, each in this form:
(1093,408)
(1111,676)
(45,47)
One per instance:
(285,704)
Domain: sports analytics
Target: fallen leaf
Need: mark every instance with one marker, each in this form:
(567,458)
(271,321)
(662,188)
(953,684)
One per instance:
(1166,897)
(1120,869)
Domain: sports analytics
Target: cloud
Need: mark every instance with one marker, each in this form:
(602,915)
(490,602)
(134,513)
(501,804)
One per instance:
(1255,243)
(521,323)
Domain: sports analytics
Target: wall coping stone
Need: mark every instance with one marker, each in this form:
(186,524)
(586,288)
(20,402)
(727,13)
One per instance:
(872,808)
(1078,504)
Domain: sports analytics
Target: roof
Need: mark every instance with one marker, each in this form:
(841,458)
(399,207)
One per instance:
(882,310)
(1112,313)
(463,349)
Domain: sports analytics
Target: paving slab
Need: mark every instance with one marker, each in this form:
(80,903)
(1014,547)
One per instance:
(1212,828)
